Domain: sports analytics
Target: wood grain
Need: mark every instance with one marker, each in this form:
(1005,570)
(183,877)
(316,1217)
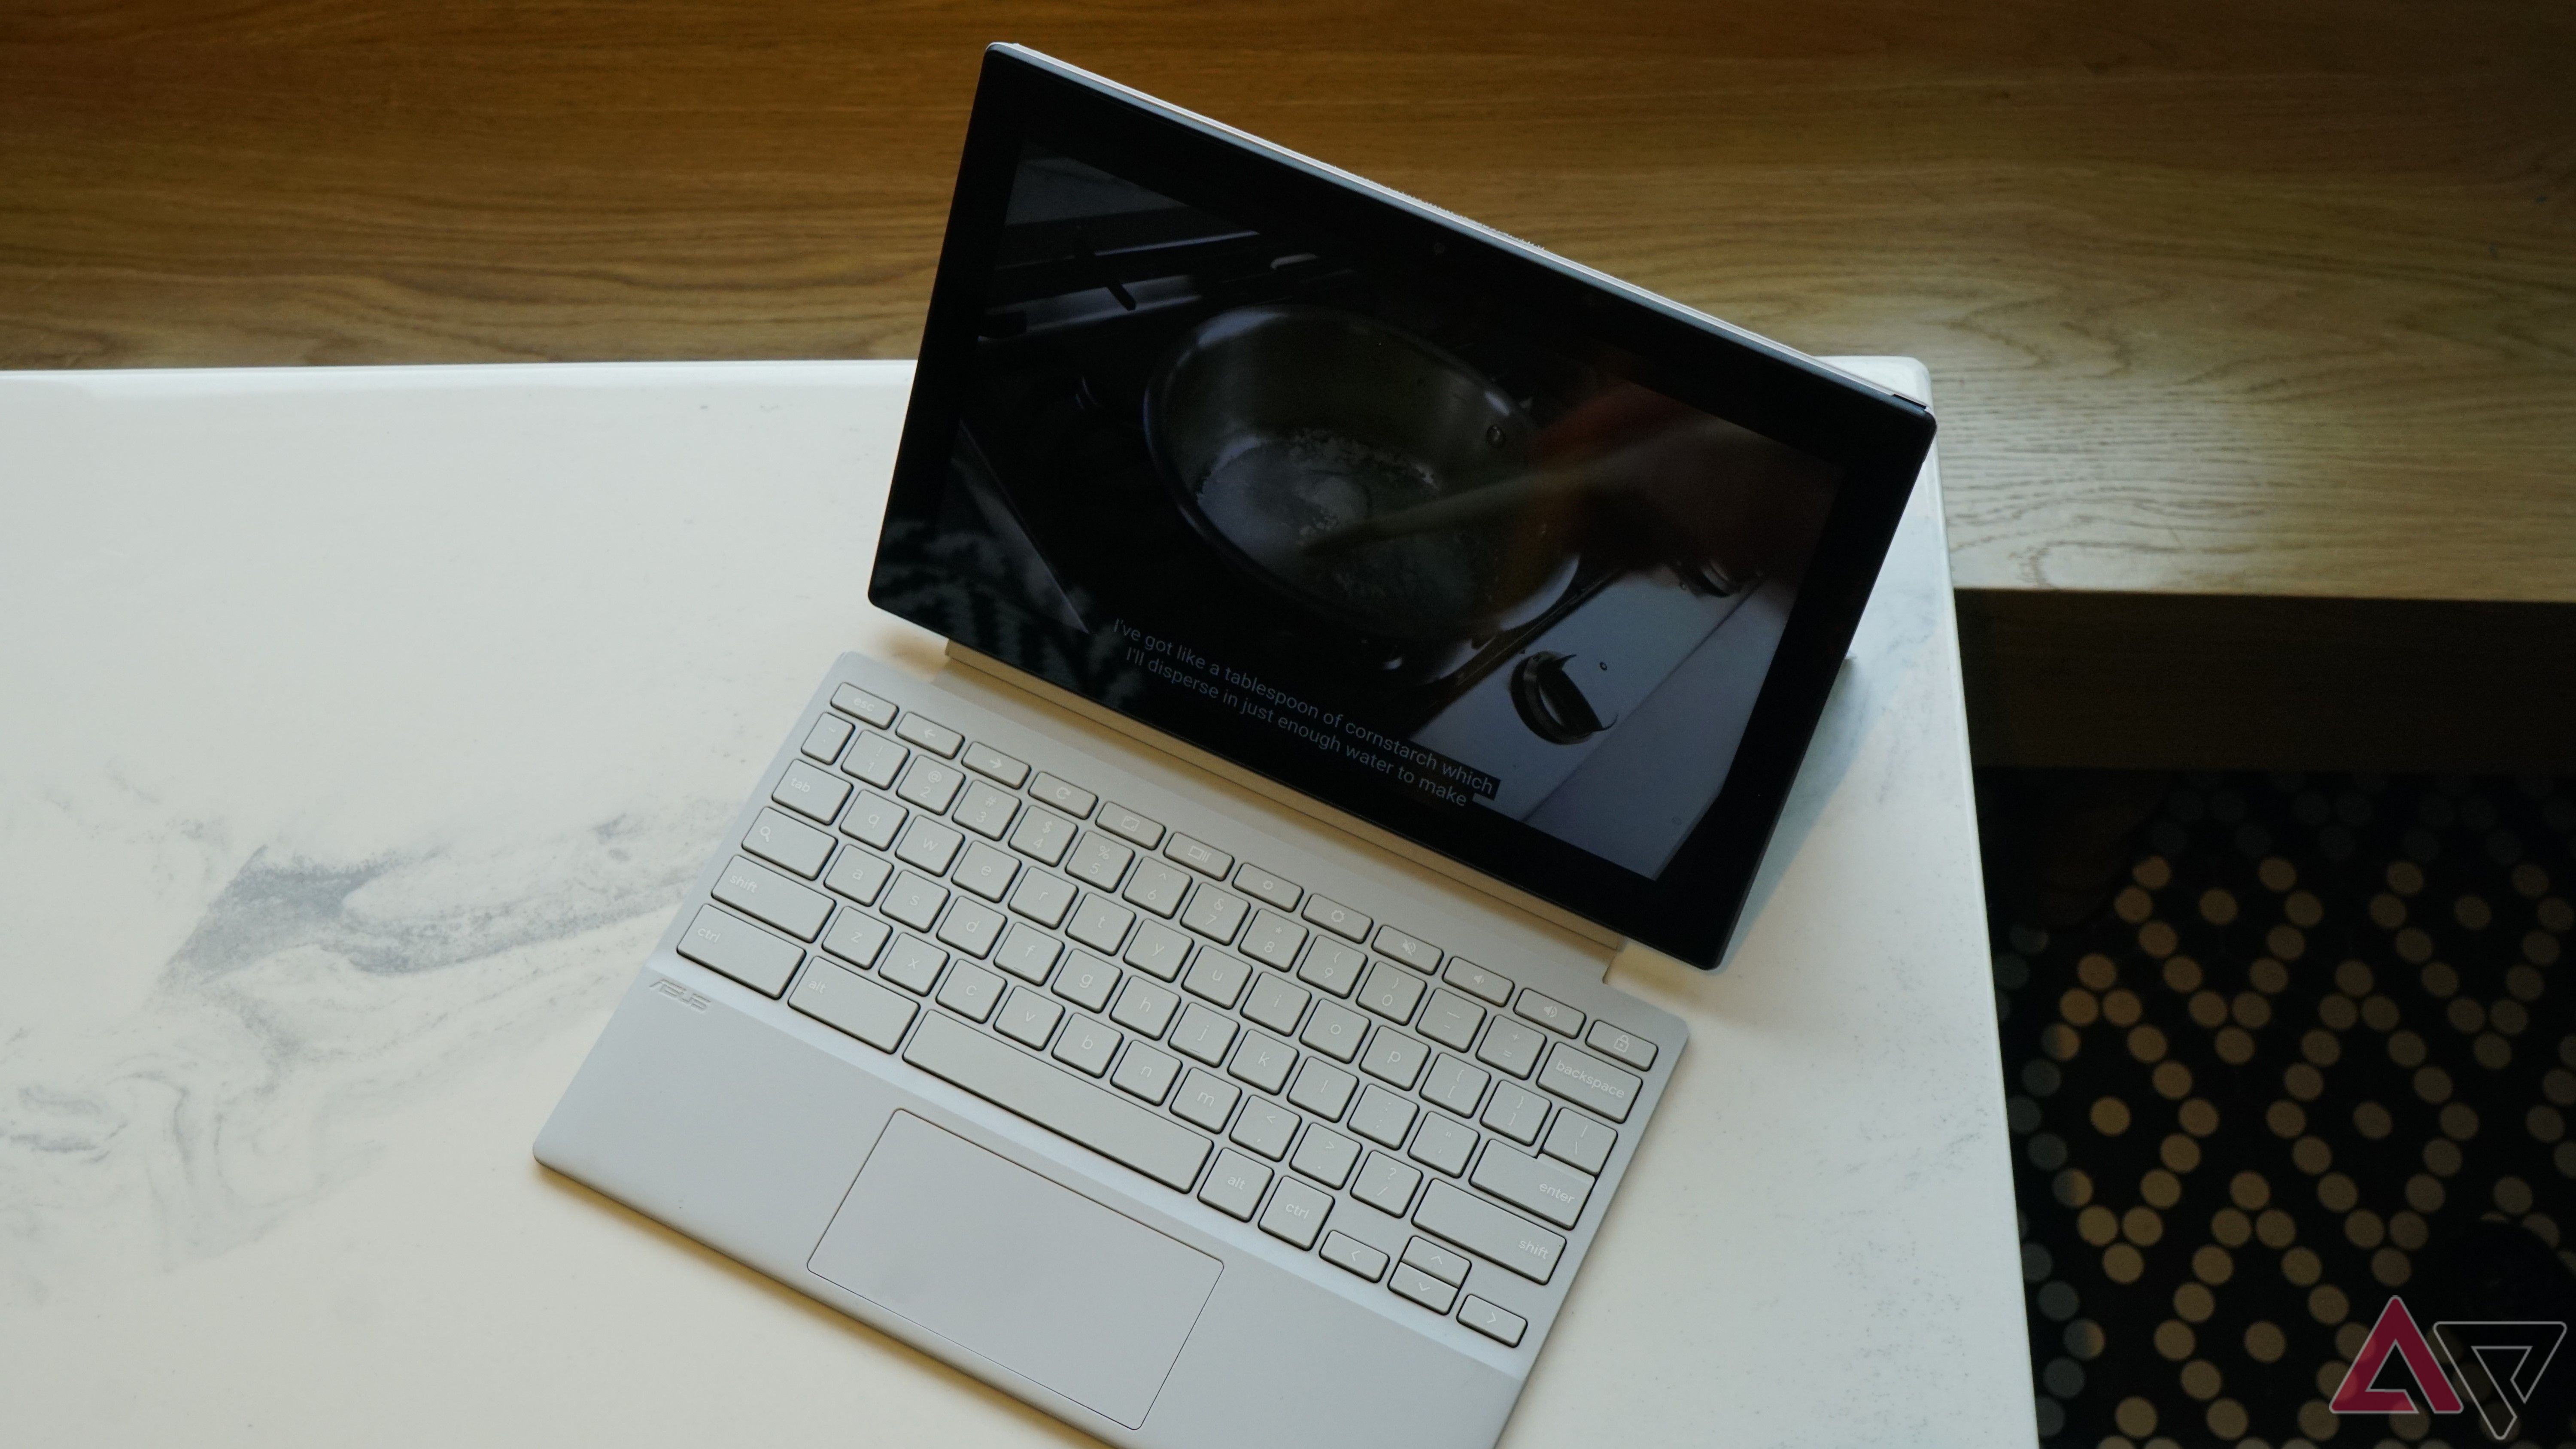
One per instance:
(2221,296)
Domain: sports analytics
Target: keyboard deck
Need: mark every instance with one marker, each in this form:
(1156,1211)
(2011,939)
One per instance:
(1213,1025)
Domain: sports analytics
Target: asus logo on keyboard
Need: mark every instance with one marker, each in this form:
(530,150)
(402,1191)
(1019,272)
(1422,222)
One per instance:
(681,994)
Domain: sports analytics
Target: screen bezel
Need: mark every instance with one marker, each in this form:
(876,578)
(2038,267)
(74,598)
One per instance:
(1876,440)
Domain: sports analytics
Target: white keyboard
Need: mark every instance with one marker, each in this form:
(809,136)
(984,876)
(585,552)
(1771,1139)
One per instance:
(1214,1025)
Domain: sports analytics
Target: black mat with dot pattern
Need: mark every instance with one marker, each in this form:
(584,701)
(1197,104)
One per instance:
(2317,1049)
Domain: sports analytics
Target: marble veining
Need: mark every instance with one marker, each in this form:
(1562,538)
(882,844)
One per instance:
(310,996)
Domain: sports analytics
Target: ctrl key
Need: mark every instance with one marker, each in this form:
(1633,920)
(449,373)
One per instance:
(1500,1325)
(853,1004)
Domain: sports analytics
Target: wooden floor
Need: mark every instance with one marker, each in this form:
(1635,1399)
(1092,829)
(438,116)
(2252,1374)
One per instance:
(2224,299)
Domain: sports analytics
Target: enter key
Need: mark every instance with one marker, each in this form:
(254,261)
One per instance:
(1552,1190)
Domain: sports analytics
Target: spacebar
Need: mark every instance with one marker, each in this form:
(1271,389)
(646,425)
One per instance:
(1165,1151)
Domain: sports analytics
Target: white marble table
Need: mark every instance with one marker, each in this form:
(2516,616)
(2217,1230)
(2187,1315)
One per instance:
(358,729)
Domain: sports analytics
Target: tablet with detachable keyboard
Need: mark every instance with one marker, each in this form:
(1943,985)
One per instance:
(1185,1011)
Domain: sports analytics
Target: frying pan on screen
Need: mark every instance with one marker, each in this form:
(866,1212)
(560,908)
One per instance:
(1276,425)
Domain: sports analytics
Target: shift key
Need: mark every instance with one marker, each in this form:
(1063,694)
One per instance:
(1489,1232)
(758,891)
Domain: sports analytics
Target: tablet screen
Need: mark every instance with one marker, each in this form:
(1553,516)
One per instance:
(1375,531)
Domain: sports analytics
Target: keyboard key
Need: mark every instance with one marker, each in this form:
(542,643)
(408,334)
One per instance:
(1579,1140)
(1118,818)
(1263,1061)
(765,895)
(1436,1260)
(929,844)
(1422,1288)
(1516,1113)
(1475,980)
(1100,924)
(1451,1020)
(876,760)
(971,927)
(1214,914)
(1027,954)
(874,820)
(1070,798)
(1383,1117)
(1200,856)
(809,792)
(785,842)
(1273,940)
(1510,1047)
(1296,1214)
(1086,1046)
(1395,1057)
(986,811)
(1327,1157)
(1489,1232)
(1029,1018)
(1337,918)
(1611,1042)
(858,875)
(1093,1116)
(1587,1081)
(913,964)
(1042,836)
(1268,889)
(857,939)
(1156,887)
(1421,955)
(1386,1184)
(1203,1035)
(1549,1012)
(986,872)
(849,699)
(914,901)
(1455,1085)
(930,785)
(823,742)
(971,992)
(1099,861)
(740,950)
(1265,1127)
(1391,993)
(1499,1324)
(1443,1144)
(1207,1101)
(854,1005)
(1235,1185)
(1323,1090)
(1552,1190)
(930,734)
(1086,981)
(1335,1030)
(1145,1008)
(985,760)
(1344,1251)
(1332,966)
(1275,1004)
(1144,1072)
(1157,950)
(1043,898)
(1217,977)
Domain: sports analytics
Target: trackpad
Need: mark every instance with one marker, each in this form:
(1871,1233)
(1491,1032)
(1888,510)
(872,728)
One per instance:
(1035,1277)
